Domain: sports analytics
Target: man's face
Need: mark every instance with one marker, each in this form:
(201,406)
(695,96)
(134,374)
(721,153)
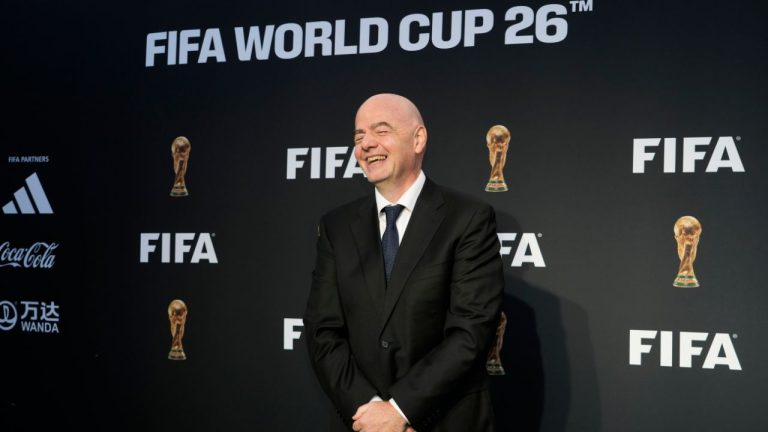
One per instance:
(386,143)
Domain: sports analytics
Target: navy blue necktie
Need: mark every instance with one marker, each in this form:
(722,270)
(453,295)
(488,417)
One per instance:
(391,239)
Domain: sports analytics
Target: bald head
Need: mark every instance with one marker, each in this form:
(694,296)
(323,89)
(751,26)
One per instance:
(399,106)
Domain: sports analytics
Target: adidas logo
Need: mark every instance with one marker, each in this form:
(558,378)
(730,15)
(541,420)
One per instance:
(21,198)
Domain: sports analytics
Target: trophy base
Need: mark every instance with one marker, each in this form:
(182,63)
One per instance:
(496,186)
(176,355)
(179,191)
(685,281)
(494,369)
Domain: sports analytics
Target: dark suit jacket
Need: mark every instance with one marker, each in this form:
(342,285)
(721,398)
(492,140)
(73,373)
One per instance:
(424,338)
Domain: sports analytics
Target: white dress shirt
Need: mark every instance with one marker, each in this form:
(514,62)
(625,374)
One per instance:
(408,200)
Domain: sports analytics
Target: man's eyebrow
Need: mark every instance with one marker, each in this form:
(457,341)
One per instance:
(374,126)
(382,123)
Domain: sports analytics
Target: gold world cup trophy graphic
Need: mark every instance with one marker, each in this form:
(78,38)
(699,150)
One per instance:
(493,364)
(180,151)
(687,234)
(498,142)
(177,315)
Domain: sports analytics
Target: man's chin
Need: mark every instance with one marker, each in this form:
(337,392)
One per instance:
(376,180)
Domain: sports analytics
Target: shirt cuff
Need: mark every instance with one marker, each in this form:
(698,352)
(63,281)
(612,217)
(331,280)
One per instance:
(394,404)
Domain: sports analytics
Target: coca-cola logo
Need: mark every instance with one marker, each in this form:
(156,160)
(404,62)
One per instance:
(39,255)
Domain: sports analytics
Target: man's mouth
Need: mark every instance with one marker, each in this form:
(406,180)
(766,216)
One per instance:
(373,159)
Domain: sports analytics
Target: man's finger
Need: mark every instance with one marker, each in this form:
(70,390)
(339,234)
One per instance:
(360,410)
(356,426)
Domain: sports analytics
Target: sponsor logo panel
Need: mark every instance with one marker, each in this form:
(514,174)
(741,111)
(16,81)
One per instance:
(38,255)
(29,316)
(29,199)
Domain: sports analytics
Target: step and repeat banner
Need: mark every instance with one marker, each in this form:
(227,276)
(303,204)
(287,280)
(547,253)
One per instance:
(164,167)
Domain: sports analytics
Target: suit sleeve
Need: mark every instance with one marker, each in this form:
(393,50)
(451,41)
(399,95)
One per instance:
(430,387)
(327,340)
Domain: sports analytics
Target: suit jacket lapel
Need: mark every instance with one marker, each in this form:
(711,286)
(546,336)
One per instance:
(368,241)
(427,216)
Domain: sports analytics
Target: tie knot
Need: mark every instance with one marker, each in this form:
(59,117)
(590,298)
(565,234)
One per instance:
(392,212)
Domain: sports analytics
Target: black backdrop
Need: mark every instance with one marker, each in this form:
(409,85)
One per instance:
(78,91)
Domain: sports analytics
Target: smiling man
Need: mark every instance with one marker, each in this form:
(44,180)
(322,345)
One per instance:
(406,290)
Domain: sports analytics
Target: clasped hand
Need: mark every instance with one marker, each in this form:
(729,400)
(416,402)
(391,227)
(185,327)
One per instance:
(379,416)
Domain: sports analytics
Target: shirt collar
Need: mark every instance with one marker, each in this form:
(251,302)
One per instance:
(408,200)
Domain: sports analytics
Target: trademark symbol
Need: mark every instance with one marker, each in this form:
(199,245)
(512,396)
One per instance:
(538,235)
(581,5)
(738,138)
(735,336)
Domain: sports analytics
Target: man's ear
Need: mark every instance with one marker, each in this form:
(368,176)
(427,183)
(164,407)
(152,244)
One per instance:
(420,139)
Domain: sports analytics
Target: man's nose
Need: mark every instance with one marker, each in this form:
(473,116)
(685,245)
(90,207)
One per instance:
(368,142)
